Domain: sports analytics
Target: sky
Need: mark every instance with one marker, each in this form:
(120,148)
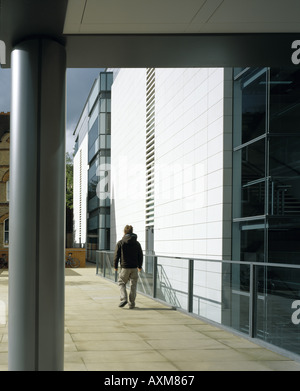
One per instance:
(79,83)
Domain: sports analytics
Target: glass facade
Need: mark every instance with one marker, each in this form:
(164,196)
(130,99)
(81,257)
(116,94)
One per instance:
(98,202)
(266,201)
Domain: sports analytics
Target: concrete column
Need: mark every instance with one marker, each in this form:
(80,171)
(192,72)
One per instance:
(37,207)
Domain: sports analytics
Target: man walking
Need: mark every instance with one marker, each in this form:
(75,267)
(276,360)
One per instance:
(129,252)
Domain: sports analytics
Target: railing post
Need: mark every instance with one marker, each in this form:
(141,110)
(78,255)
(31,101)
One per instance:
(190,285)
(97,261)
(154,276)
(104,264)
(116,274)
(253,299)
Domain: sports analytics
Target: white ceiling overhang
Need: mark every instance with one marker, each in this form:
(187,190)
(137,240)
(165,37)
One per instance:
(181,16)
(157,33)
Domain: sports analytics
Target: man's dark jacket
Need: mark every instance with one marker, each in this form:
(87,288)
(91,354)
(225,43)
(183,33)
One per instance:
(129,252)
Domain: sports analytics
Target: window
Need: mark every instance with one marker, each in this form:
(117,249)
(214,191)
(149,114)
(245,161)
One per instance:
(284,100)
(7,191)
(6,232)
(251,106)
(266,162)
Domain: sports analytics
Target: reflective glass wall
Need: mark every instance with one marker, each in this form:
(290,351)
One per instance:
(98,202)
(266,194)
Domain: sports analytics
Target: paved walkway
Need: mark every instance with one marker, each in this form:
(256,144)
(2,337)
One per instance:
(101,336)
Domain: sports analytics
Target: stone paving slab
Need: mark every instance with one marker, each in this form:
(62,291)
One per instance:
(100,336)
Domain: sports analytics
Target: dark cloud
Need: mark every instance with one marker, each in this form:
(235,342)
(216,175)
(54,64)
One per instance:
(79,83)
(5,90)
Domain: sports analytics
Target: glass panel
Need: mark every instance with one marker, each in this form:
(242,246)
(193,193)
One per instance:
(236,296)
(102,221)
(93,133)
(283,240)
(106,80)
(145,281)
(108,123)
(240,297)
(100,263)
(102,141)
(249,172)
(252,241)
(92,239)
(109,80)
(254,106)
(108,260)
(172,281)
(103,81)
(93,150)
(102,160)
(102,105)
(284,170)
(102,244)
(278,314)
(284,100)
(102,123)
(94,115)
(207,290)
(93,223)
(253,161)
(285,156)
(93,203)
(253,199)
(92,180)
(93,169)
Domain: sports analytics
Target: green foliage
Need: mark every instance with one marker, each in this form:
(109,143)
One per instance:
(69,181)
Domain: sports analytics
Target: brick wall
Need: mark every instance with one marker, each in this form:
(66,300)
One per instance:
(78,253)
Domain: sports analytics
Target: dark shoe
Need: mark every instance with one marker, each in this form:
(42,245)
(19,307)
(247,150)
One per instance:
(124,302)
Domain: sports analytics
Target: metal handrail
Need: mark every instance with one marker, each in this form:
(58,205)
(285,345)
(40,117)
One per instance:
(271,264)
(178,297)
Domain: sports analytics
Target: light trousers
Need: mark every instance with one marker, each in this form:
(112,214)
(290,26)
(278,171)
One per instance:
(126,275)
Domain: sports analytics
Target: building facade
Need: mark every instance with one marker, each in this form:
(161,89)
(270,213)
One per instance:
(80,167)
(92,154)
(204,165)
(174,123)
